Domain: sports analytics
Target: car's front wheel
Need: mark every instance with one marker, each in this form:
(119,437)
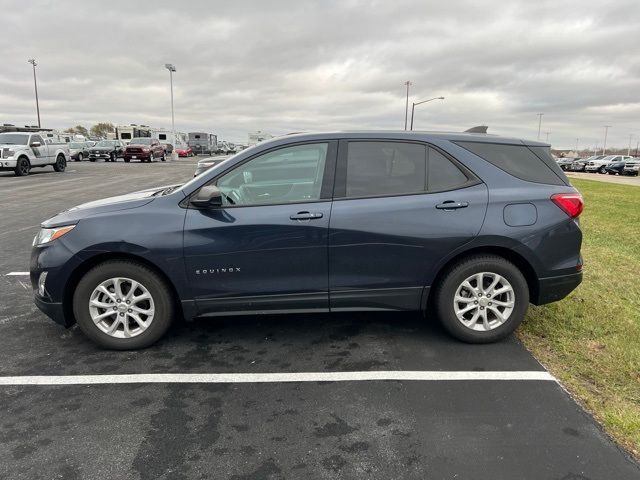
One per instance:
(123,305)
(482,299)
(602,170)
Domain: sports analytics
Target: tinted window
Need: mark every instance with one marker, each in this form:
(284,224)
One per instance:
(162,136)
(443,174)
(37,138)
(544,154)
(125,136)
(289,175)
(385,168)
(517,160)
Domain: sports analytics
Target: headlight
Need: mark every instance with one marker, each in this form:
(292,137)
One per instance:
(46,235)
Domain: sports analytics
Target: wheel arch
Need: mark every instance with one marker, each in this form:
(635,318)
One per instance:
(91,262)
(507,253)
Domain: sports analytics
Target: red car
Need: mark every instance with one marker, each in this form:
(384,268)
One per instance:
(144,149)
(184,152)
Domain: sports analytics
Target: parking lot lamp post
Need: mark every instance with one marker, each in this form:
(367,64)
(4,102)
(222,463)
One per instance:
(406,106)
(539,123)
(604,145)
(629,149)
(32,61)
(577,141)
(172,69)
(413,107)
(548,133)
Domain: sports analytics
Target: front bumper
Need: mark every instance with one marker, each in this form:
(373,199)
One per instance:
(552,289)
(99,155)
(52,310)
(7,164)
(137,156)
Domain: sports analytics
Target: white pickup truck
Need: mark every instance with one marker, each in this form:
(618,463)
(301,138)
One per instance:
(21,151)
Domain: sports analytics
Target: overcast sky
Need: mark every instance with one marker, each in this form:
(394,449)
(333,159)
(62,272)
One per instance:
(301,66)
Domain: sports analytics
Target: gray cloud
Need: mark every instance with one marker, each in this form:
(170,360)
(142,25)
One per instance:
(290,66)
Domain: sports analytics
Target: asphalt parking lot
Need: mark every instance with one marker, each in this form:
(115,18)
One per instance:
(375,396)
(598,177)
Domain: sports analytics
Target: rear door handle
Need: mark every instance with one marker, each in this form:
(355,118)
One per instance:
(306,216)
(451,205)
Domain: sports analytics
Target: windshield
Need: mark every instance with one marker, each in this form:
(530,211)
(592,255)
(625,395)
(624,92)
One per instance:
(141,141)
(105,143)
(13,139)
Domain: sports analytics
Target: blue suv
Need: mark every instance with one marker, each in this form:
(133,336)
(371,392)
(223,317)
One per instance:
(474,225)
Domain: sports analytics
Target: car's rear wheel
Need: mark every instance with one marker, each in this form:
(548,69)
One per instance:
(602,170)
(123,305)
(80,157)
(482,299)
(61,164)
(112,157)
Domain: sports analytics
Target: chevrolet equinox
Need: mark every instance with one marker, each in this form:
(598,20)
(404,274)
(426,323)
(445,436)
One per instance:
(474,225)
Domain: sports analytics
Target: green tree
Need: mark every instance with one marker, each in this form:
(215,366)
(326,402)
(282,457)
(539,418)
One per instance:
(101,129)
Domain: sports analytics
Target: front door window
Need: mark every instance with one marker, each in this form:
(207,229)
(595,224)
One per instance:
(288,175)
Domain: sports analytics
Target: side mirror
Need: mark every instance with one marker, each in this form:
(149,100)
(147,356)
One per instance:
(207,196)
(36,144)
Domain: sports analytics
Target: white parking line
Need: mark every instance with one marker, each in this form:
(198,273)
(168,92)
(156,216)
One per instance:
(15,274)
(275,377)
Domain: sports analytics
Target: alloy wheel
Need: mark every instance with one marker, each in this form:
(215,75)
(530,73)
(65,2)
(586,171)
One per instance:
(484,301)
(121,307)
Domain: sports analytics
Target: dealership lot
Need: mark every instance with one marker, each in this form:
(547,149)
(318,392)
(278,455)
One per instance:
(447,420)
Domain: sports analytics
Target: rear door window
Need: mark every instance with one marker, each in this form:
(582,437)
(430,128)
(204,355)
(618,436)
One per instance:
(533,164)
(443,173)
(377,168)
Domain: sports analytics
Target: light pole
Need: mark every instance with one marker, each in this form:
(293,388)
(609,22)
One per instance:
(406,107)
(172,69)
(32,61)
(413,107)
(629,149)
(577,141)
(548,133)
(539,123)
(604,145)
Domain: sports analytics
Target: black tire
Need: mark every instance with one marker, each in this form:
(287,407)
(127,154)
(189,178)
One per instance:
(453,279)
(163,157)
(23,167)
(112,157)
(157,287)
(61,164)
(127,160)
(80,157)
(602,170)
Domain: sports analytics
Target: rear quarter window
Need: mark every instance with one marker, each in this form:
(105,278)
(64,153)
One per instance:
(533,164)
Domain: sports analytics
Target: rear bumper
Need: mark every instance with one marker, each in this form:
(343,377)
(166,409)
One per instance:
(552,289)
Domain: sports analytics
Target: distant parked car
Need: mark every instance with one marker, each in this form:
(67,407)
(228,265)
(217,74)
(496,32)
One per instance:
(631,167)
(78,151)
(565,162)
(168,148)
(145,149)
(600,165)
(21,151)
(184,151)
(109,150)
(206,163)
(617,166)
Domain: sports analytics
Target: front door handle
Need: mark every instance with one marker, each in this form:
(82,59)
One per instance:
(451,205)
(306,216)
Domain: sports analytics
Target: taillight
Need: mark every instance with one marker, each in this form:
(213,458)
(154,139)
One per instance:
(571,203)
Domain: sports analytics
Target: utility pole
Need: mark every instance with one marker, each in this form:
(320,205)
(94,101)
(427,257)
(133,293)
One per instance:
(172,69)
(406,107)
(539,123)
(32,61)
(604,145)
(577,141)
(629,149)
(548,133)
